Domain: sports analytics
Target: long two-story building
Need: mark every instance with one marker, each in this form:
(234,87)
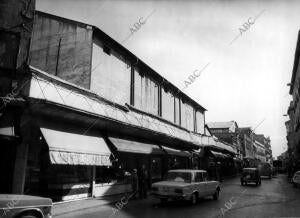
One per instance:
(84,111)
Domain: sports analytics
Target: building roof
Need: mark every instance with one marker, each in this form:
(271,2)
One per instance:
(110,42)
(220,125)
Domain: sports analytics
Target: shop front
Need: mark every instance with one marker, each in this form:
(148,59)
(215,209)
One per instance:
(131,154)
(61,163)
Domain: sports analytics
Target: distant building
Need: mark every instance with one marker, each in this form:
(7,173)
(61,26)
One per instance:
(227,132)
(247,148)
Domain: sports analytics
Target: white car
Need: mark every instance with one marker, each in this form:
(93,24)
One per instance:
(296,179)
(186,184)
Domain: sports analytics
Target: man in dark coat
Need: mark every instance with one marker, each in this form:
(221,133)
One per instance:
(143,182)
(134,183)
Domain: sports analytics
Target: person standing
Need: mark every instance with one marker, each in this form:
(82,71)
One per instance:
(134,183)
(143,182)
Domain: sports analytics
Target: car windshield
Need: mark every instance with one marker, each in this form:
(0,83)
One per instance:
(248,171)
(179,177)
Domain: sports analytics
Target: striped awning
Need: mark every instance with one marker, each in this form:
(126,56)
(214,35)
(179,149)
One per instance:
(74,149)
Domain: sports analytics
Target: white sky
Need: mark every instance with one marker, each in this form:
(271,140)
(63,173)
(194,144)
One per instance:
(245,81)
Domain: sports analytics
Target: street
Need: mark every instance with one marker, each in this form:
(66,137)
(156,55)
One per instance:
(274,198)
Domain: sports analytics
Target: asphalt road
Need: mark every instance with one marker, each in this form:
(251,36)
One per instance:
(274,198)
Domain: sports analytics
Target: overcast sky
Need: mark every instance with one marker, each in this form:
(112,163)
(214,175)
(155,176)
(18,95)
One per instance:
(245,81)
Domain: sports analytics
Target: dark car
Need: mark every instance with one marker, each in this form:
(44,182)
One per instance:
(24,206)
(250,175)
(265,169)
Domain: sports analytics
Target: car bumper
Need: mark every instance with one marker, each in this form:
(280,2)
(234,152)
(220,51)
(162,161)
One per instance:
(172,196)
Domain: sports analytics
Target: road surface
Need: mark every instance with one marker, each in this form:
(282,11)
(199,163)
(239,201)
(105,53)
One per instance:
(274,198)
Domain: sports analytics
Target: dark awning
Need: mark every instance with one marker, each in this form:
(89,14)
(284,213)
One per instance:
(219,155)
(175,152)
(123,145)
(74,149)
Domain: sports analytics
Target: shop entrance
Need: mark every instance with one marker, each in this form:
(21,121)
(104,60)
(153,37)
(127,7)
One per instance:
(7,164)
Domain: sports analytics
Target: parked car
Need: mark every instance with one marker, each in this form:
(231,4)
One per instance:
(186,184)
(296,179)
(265,169)
(24,206)
(250,175)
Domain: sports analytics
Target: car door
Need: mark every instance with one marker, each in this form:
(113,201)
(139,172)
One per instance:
(199,182)
(209,185)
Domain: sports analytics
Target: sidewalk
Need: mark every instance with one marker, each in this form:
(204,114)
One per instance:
(71,206)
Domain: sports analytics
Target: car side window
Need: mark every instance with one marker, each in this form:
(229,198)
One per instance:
(205,177)
(198,177)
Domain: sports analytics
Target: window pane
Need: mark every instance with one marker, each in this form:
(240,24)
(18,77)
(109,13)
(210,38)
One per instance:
(200,122)
(110,76)
(145,94)
(177,111)
(167,105)
(187,116)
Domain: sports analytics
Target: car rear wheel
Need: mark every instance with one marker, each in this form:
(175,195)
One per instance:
(216,195)
(194,199)
(242,183)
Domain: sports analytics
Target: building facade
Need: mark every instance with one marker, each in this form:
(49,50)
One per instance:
(84,112)
(227,132)
(293,132)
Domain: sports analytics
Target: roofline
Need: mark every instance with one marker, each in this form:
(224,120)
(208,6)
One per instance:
(139,63)
(296,63)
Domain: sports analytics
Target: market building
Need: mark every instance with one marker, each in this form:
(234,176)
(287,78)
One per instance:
(83,111)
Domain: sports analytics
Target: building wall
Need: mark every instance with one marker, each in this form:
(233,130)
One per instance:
(62,49)
(74,53)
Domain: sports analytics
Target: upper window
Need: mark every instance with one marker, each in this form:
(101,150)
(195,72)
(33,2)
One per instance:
(110,76)
(187,116)
(167,107)
(145,93)
(199,122)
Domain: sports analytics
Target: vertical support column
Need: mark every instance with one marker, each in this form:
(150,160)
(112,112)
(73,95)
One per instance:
(93,180)
(20,169)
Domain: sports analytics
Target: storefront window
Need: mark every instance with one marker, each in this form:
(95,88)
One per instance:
(115,174)
(156,165)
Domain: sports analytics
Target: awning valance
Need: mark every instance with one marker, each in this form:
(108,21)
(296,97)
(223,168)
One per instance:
(74,149)
(123,145)
(176,152)
(219,155)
